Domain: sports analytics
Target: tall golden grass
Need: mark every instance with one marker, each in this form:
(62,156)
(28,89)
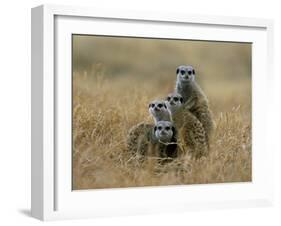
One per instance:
(106,106)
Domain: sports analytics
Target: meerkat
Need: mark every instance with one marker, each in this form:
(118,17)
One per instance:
(191,133)
(158,140)
(139,135)
(194,98)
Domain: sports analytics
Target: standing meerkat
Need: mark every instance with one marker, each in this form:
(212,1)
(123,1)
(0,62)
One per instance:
(194,98)
(140,135)
(191,133)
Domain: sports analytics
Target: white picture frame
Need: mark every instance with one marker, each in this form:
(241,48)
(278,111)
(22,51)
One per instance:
(52,197)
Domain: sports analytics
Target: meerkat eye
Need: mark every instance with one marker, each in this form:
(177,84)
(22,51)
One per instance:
(167,128)
(152,105)
(168,98)
(182,72)
(189,72)
(193,72)
(178,70)
(176,99)
(159,128)
(160,105)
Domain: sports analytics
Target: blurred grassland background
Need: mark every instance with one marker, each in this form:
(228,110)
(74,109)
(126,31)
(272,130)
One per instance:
(115,78)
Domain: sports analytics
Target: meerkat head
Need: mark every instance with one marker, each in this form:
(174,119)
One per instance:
(185,74)
(174,101)
(164,131)
(158,109)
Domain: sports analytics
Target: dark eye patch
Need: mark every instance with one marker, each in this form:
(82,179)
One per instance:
(160,105)
(159,127)
(189,72)
(176,99)
(167,128)
(153,105)
(168,98)
(182,72)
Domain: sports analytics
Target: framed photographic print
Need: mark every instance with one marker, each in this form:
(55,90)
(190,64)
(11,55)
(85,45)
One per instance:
(138,112)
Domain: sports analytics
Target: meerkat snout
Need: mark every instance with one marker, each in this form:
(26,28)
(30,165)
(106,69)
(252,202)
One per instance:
(185,74)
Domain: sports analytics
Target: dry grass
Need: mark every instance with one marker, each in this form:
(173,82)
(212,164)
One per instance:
(104,108)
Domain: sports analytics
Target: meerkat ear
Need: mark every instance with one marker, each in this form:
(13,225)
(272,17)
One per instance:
(181,100)
(193,71)
(165,106)
(174,130)
(174,139)
(178,70)
(149,105)
(154,129)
